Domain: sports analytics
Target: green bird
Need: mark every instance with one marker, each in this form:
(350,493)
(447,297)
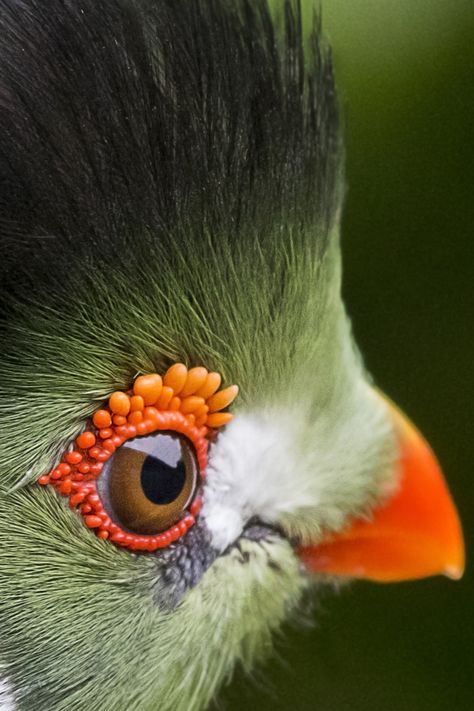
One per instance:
(190,444)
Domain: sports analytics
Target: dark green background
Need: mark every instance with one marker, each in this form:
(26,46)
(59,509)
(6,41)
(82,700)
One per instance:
(406,80)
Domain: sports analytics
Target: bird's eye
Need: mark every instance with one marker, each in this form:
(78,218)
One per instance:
(150,481)
(135,473)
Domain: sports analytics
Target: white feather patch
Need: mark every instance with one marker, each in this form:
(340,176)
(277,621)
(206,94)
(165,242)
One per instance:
(7,702)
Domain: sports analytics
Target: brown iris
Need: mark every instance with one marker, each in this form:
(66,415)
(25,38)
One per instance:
(150,481)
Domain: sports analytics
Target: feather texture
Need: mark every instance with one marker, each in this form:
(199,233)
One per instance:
(170,185)
(79,628)
(169,178)
(7,702)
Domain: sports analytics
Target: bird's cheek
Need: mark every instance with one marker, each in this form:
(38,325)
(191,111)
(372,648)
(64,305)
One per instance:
(414,534)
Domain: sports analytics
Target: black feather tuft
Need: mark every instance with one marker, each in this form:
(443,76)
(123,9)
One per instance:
(165,118)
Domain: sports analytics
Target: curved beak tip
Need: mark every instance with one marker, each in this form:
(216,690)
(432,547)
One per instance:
(453,572)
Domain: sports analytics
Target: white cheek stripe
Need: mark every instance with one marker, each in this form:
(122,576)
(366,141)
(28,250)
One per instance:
(7,702)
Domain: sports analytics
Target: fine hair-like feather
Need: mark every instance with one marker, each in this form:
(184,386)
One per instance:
(169,178)
(143,125)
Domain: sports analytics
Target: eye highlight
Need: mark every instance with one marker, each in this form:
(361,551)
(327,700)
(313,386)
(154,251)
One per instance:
(135,473)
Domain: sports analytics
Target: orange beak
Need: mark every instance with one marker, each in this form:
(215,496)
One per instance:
(413,534)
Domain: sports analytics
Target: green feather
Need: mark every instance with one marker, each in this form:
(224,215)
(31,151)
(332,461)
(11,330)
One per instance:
(80,628)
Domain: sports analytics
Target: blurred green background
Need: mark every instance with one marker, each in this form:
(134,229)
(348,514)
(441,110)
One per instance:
(405,72)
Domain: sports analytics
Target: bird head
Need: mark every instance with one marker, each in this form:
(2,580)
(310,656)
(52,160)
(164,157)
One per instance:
(190,443)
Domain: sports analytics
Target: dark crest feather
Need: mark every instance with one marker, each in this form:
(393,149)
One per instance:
(164,117)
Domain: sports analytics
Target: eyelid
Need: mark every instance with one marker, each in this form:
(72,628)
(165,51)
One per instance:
(152,405)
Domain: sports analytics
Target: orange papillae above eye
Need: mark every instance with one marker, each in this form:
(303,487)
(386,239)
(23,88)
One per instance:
(153,444)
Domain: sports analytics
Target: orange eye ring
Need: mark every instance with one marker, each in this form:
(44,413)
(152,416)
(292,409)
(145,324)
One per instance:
(149,408)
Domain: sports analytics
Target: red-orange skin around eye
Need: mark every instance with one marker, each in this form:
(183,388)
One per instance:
(76,476)
(188,402)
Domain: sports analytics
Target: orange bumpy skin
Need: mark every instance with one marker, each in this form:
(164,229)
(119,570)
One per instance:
(185,401)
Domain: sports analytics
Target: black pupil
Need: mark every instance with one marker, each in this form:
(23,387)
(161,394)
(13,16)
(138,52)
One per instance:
(163,477)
